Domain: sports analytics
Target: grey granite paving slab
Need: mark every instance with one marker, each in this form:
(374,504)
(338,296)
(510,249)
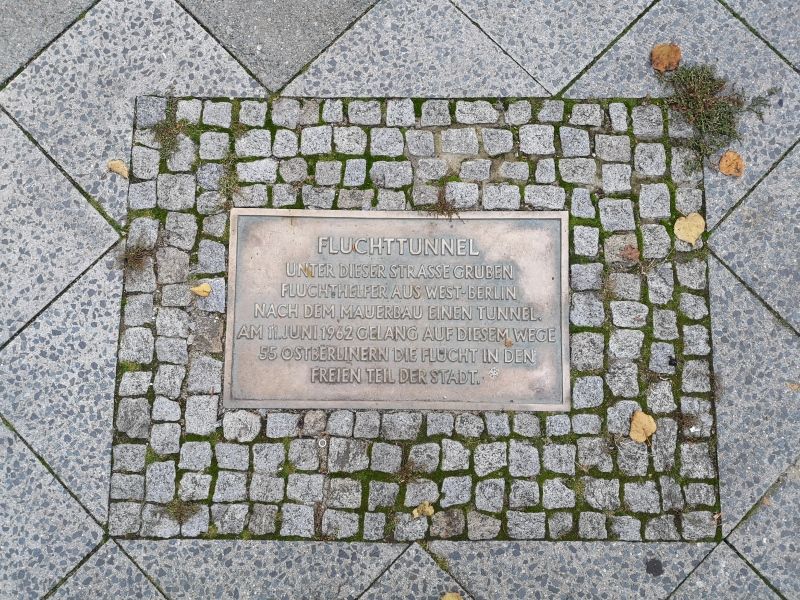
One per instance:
(27,27)
(76,98)
(760,240)
(49,233)
(414,576)
(276,39)
(770,537)
(776,20)
(414,48)
(45,533)
(58,383)
(261,569)
(500,570)
(723,575)
(554,41)
(707,33)
(107,575)
(756,369)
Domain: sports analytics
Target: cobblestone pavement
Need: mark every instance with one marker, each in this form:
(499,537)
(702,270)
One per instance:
(101,457)
(358,475)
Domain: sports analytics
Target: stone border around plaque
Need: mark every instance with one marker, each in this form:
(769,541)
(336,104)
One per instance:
(186,466)
(396,310)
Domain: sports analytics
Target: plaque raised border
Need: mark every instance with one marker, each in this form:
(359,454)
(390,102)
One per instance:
(349,396)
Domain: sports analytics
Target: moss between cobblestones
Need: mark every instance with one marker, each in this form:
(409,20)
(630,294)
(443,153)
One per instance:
(150,456)
(156,213)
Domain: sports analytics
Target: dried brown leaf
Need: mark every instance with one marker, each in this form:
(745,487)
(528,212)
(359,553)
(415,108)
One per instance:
(452,596)
(665,57)
(731,164)
(118,167)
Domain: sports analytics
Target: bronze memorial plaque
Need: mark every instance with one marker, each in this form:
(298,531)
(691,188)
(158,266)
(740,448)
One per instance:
(397,310)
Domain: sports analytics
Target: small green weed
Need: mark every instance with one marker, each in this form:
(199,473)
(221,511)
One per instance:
(710,105)
(150,456)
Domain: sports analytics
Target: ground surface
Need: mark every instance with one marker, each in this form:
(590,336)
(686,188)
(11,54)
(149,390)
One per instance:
(69,80)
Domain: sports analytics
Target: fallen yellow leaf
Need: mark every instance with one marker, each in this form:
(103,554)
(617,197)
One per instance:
(731,164)
(202,290)
(642,426)
(665,57)
(452,596)
(118,167)
(690,227)
(423,510)
(794,387)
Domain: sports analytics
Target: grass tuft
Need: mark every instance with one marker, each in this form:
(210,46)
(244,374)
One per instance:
(443,207)
(181,511)
(167,131)
(238,130)
(406,473)
(710,105)
(229,182)
(135,257)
